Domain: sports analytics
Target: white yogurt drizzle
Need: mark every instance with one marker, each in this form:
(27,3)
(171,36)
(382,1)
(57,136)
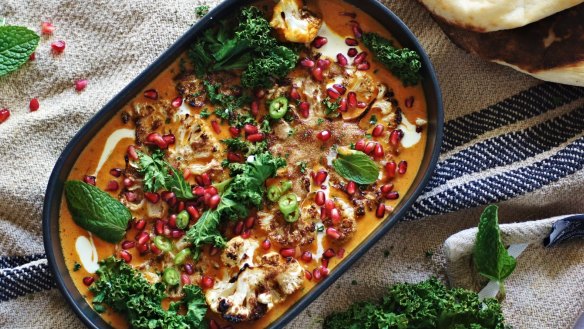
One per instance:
(335,43)
(87,253)
(411,137)
(111,143)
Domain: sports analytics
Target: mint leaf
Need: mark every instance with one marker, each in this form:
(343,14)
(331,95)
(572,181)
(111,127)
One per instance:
(96,211)
(16,45)
(490,256)
(356,166)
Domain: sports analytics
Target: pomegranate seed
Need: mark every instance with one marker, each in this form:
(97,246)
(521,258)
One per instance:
(341,253)
(352,99)
(128,244)
(4,115)
(172,221)
(151,94)
(214,251)
(380,212)
(332,93)
(360,145)
(352,52)
(378,151)
(116,172)
(167,196)
(402,167)
(189,268)
(255,108)
(319,41)
(390,168)
(369,148)
(214,201)
(320,177)
(131,196)
(323,213)
(159,226)
(324,135)
(363,66)
(392,195)
(234,157)
(142,237)
(316,274)
(169,139)
(357,31)
(207,282)
(307,62)
(329,205)
(156,138)
(140,224)
(266,244)
(143,248)
(34,104)
(361,105)
(238,228)
(132,152)
(360,58)
(395,137)
(199,190)
(250,221)
(324,262)
(351,188)
(323,63)
(47,28)
(205,179)
(377,131)
(89,180)
(255,137)
(308,275)
(152,197)
(250,129)
(343,105)
(386,188)
(81,84)
(112,186)
(317,74)
(304,109)
(351,42)
(184,279)
(216,126)
(287,252)
(177,102)
(58,46)
(213,325)
(340,88)
(409,101)
(306,256)
(324,271)
(177,234)
(319,198)
(193,212)
(246,233)
(294,94)
(126,256)
(329,253)
(342,60)
(88,280)
(332,233)
(335,216)
(260,93)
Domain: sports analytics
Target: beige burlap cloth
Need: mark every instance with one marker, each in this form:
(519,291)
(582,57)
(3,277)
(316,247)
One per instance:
(109,42)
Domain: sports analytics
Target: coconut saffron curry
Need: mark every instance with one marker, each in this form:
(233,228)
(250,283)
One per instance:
(243,174)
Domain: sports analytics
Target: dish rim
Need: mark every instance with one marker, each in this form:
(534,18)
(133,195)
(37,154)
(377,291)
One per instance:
(66,160)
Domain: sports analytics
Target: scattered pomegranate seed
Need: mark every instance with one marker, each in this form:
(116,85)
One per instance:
(213,325)
(185,279)
(316,274)
(287,252)
(329,205)
(131,196)
(126,256)
(323,214)
(143,248)
(116,172)
(214,251)
(324,271)
(234,131)
(361,105)
(151,94)
(250,129)
(155,249)
(377,131)
(238,228)
(58,46)
(128,244)
(193,212)
(140,224)
(332,233)
(307,275)
(324,262)
(320,176)
(216,126)
(89,180)
(172,221)
(392,195)
(341,253)
(112,186)
(189,268)
(351,188)
(304,109)
(205,179)
(250,221)
(214,201)
(266,244)
(319,42)
(352,99)
(319,198)
(357,31)
(260,93)
(323,63)
(369,147)
(81,84)
(294,94)
(88,280)
(177,102)
(169,139)
(143,237)
(409,102)
(386,188)
(329,253)
(167,196)
(360,58)
(255,137)
(132,152)
(352,52)
(324,135)
(342,60)
(402,167)
(340,88)
(47,28)
(380,212)
(395,137)
(255,108)
(4,115)
(34,104)
(360,145)
(390,168)
(306,256)
(351,42)
(335,216)
(32,56)
(363,66)
(246,233)
(152,197)
(378,151)
(307,62)
(156,139)
(317,74)
(207,282)
(177,234)
(343,105)
(333,93)
(234,157)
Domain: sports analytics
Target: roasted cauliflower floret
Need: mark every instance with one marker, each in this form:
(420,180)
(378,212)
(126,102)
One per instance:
(255,290)
(239,251)
(366,88)
(148,117)
(194,145)
(298,233)
(294,24)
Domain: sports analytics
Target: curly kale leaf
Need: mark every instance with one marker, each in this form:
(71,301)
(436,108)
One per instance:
(428,304)
(262,71)
(255,29)
(127,292)
(403,63)
(159,174)
(245,147)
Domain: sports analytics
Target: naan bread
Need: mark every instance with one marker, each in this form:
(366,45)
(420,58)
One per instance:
(495,15)
(551,49)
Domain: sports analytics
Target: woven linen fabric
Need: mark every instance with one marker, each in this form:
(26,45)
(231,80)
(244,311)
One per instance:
(509,139)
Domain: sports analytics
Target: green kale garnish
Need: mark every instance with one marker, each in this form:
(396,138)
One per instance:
(159,174)
(403,63)
(245,147)
(302,166)
(127,292)
(331,107)
(205,113)
(226,105)
(428,304)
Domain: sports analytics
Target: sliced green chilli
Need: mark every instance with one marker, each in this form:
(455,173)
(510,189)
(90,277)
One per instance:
(278,108)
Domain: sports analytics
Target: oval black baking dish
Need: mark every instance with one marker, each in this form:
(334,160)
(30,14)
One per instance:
(54,192)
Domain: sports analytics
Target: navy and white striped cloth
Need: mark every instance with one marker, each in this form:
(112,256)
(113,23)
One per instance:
(547,146)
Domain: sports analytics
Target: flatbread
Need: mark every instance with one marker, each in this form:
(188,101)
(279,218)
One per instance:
(551,49)
(495,15)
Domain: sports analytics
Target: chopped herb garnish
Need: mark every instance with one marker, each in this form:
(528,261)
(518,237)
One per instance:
(302,166)
(201,11)
(331,107)
(204,113)
(76,267)
(373,120)
(320,228)
(320,121)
